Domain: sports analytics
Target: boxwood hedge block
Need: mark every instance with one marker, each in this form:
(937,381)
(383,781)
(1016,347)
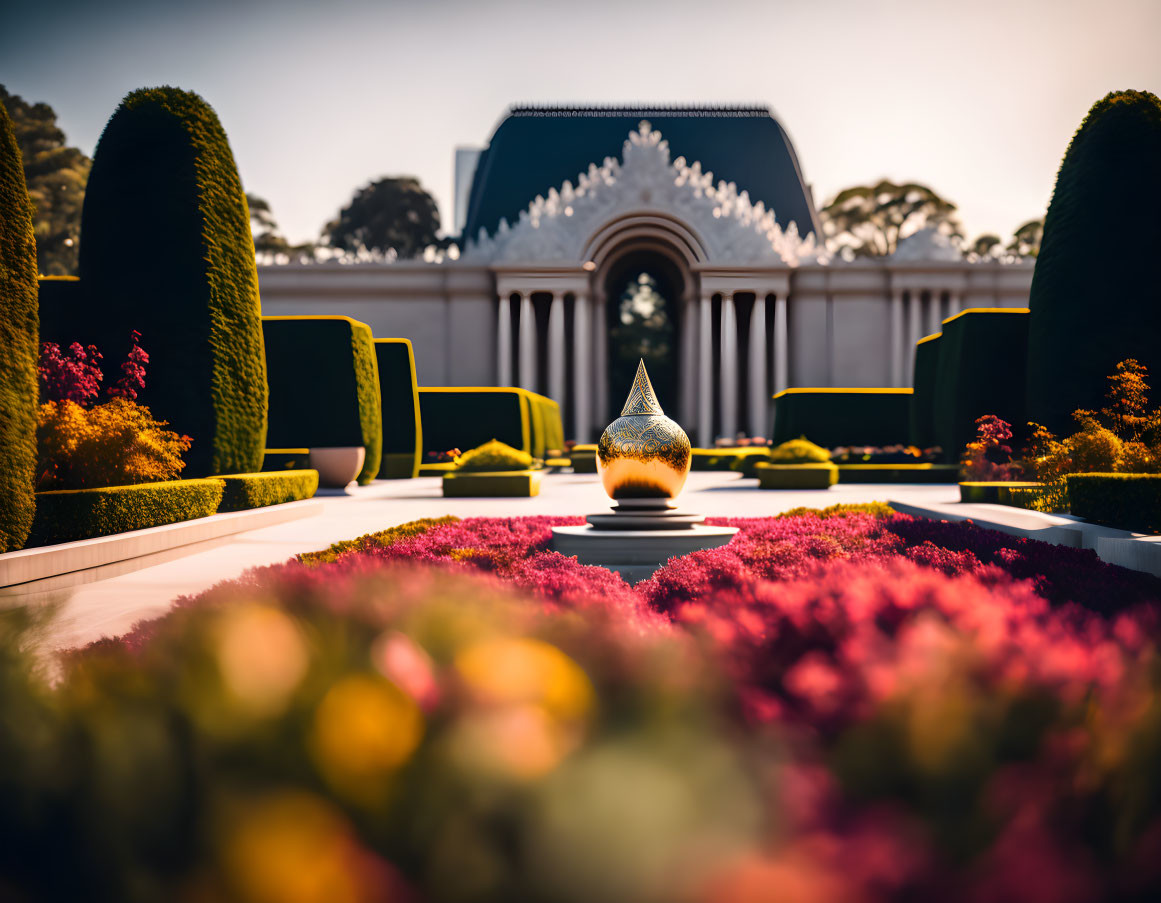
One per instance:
(166,249)
(898,473)
(257,490)
(467,417)
(68,515)
(1095,299)
(1130,501)
(324,386)
(741,460)
(981,369)
(501,484)
(921,419)
(18,345)
(399,402)
(795,476)
(835,417)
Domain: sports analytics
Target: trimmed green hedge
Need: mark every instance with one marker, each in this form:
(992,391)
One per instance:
(68,515)
(324,386)
(547,426)
(1096,292)
(258,490)
(796,476)
(399,402)
(1131,501)
(18,345)
(898,473)
(921,418)
(835,417)
(741,460)
(467,417)
(166,249)
(981,370)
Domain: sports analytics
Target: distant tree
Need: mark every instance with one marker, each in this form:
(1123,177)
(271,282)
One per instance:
(1026,239)
(268,239)
(869,220)
(393,213)
(985,245)
(56,175)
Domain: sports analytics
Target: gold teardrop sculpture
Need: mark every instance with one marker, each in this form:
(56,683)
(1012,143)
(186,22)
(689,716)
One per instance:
(643,454)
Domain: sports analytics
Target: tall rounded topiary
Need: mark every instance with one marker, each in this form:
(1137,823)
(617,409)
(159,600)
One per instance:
(166,249)
(1096,294)
(18,341)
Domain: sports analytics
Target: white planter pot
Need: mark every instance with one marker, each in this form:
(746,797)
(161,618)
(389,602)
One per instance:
(337,466)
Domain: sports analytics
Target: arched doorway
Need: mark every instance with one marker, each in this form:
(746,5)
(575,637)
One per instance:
(643,290)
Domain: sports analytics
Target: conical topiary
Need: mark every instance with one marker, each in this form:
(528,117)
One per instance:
(18,340)
(166,249)
(1096,294)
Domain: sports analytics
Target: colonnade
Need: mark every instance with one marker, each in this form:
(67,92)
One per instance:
(916,313)
(710,384)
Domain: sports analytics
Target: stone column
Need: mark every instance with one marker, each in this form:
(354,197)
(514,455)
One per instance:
(729,356)
(934,315)
(898,355)
(687,363)
(705,374)
(504,342)
(527,343)
(915,330)
(759,401)
(600,339)
(556,352)
(582,368)
(781,345)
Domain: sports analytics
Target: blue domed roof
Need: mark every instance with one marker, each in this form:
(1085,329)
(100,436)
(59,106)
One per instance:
(537,148)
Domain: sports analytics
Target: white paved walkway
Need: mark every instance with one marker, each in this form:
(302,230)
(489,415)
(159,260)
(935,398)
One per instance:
(107,601)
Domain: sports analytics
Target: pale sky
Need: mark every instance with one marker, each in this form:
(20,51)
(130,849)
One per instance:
(977,99)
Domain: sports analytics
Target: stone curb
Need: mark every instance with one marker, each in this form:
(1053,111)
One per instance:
(26,565)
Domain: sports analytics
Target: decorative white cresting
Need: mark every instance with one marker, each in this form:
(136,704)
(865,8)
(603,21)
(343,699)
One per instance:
(928,244)
(733,229)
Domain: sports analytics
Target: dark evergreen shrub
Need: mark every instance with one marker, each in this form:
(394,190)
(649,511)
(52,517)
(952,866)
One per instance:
(1130,501)
(922,414)
(980,370)
(1096,294)
(18,345)
(836,417)
(465,418)
(399,401)
(324,386)
(166,250)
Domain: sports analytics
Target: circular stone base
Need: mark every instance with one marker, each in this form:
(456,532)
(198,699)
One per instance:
(636,554)
(645,519)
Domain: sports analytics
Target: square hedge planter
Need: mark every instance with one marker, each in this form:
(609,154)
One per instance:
(796,476)
(584,459)
(502,484)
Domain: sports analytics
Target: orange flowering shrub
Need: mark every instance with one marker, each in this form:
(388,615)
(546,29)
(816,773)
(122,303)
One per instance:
(113,444)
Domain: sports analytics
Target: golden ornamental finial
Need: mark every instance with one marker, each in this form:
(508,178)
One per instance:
(642,399)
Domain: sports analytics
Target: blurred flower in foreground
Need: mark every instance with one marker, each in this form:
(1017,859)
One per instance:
(531,700)
(293,847)
(262,657)
(364,728)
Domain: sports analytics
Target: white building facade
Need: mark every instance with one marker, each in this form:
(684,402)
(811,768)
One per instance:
(755,307)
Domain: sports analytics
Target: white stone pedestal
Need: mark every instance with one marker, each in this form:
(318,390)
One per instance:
(635,541)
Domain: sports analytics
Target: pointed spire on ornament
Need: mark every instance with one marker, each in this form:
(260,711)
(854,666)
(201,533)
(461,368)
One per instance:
(642,399)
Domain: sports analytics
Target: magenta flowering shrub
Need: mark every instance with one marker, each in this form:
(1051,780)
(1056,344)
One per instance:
(132,378)
(72,375)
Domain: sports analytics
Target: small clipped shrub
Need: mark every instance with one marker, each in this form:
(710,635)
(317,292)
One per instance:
(18,336)
(495,456)
(75,514)
(164,180)
(113,444)
(1130,501)
(258,490)
(799,451)
(989,457)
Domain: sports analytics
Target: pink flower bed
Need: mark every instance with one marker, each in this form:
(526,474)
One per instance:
(850,708)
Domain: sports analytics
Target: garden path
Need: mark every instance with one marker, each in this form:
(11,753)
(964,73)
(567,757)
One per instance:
(107,601)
